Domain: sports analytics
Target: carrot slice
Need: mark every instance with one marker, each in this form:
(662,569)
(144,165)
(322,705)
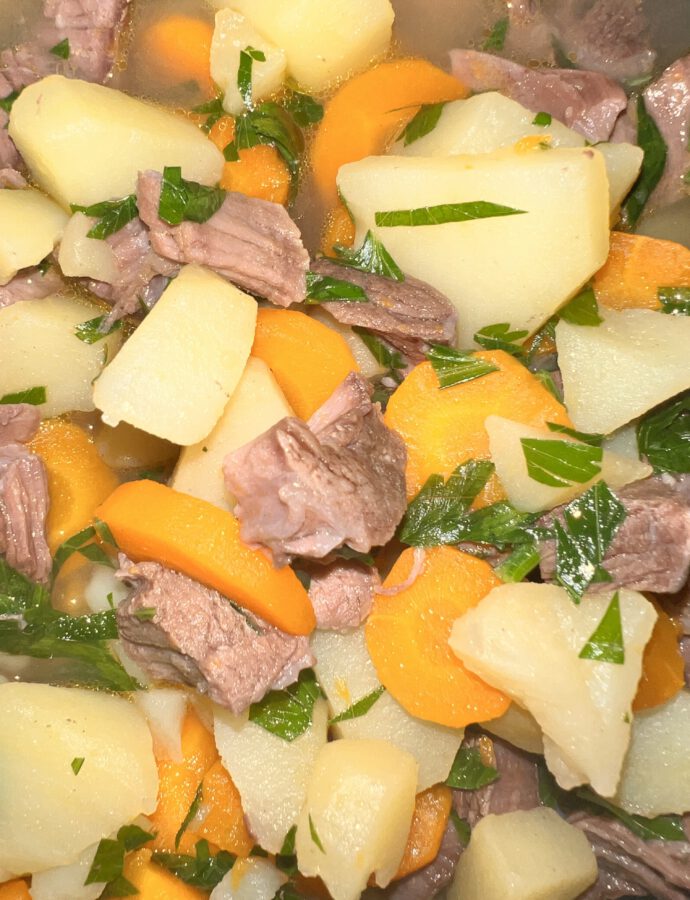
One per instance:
(259,172)
(223,826)
(370,110)
(407,636)
(637,267)
(339,229)
(662,665)
(153,522)
(153,882)
(177,49)
(308,359)
(431,812)
(15,890)
(443,428)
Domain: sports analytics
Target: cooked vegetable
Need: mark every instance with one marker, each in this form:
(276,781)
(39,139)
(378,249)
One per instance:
(81,256)
(153,522)
(155,882)
(85,143)
(431,811)
(175,50)
(519,728)
(165,710)
(125,447)
(31,226)
(259,169)
(250,879)
(662,665)
(18,889)
(65,882)
(366,361)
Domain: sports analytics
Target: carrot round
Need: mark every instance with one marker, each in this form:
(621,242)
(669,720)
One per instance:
(339,229)
(662,665)
(151,521)
(637,267)
(407,636)
(431,812)
(443,428)
(176,49)
(370,110)
(259,172)
(308,359)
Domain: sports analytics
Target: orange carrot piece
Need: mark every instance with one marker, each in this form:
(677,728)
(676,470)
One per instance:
(260,171)
(151,521)
(339,229)
(637,267)
(407,636)
(369,111)
(177,49)
(153,882)
(443,428)
(662,665)
(78,479)
(429,821)
(15,890)
(224,824)
(308,359)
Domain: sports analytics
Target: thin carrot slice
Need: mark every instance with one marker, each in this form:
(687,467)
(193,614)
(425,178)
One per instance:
(407,636)
(259,172)
(153,882)
(370,110)
(308,359)
(223,825)
(662,665)
(15,890)
(443,428)
(429,821)
(177,49)
(153,522)
(637,267)
(339,229)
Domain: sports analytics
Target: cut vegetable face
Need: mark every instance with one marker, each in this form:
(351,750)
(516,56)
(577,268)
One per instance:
(30,226)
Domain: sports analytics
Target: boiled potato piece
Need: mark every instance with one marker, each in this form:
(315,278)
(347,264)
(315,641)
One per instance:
(518,727)
(346,674)
(656,774)
(624,442)
(49,816)
(369,367)
(164,709)
(323,42)
(125,447)
(619,370)
(37,338)
(486,267)
(623,163)
(524,855)
(525,639)
(231,35)
(250,879)
(175,374)
(84,257)
(255,406)
(528,495)
(271,774)
(67,882)
(84,142)
(359,806)
(30,226)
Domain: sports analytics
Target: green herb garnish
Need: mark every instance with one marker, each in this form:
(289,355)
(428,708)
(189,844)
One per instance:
(500,337)
(559,463)
(182,200)
(112,215)
(288,713)
(304,109)
(542,119)
(84,542)
(423,123)
(90,331)
(519,564)
(324,289)
(191,812)
(7,102)
(35,396)
(675,301)
(286,860)
(596,440)
(582,309)
(244,73)
(650,139)
(61,50)
(457,366)
(109,860)
(213,109)
(497,37)
(384,356)
(468,772)
(371,257)
(76,764)
(663,436)
(462,827)
(444,213)
(360,708)
(606,641)
(202,870)
(270,124)
(314,835)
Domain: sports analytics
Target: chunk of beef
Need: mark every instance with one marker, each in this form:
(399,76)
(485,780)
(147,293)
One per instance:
(23,511)
(586,101)
(30,284)
(668,102)
(342,593)
(9,156)
(305,489)
(18,423)
(410,311)
(197,637)
(629,866)
(253,243)
(11,178)
(434,877)
(651,550)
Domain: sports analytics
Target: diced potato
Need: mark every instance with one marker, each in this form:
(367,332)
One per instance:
(518,727)
(49,815)
(100,583)
(232,34)
(622,368)
(528,495)
(164,709)
(623,442)
(250,879)
(125,447)
(525,639)
(84,257)
(175,374)
(324,42)
(369,367)
(255,406)
(85,143)
(487,267)
(359,806)
(67,882)
(271,774)
(30,226)
(524,855)
(623,164)
(37,338)
(346,673)
(656,774)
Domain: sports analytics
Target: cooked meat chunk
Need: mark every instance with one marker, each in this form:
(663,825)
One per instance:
(30,284)
(668,102)
(18,423)
(305,489)
(195,636)
(428,882)
(409,310)
(9,156)
(253,243)
(586,101)
(342,593)
(651,550)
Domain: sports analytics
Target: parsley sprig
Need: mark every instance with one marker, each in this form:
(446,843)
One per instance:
(288,713)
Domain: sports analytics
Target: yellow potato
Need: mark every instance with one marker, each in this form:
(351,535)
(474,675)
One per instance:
(30,226)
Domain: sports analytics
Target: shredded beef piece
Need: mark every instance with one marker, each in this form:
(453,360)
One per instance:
(433,878)
(668,102)
(11,178)
(18,423)
(651,550)
(588,102)
(630,866)
(342,593)
(253,243)
(197,637)
(410,311)
(305,489)
(30,284)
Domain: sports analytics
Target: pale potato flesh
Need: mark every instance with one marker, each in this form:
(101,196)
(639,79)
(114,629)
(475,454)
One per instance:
(84,257)
(176,373)
(48,817)
(126,447)
(67,882)
(487,267)
(85,142)
(250,879)
(359,805)
(519,728)
(164,709)
(369,367)
(30,226)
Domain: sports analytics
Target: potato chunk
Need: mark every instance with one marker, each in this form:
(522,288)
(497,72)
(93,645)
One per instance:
(486,267)
(49,815)
(620,369)
(177,371)
(30,226)
(84,142)
(357,815)
(84,257)
(520,855)
(525,639)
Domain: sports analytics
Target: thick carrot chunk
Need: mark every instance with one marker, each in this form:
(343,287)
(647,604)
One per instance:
(662,665)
